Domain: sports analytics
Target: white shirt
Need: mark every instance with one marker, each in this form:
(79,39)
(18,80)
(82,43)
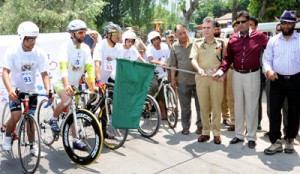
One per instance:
(130,54)
(283,56)
(23,66)
(161,55)
(76,58)
(101,52)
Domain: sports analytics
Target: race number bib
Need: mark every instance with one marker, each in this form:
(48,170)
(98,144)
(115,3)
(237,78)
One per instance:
(109,65)
(27,77)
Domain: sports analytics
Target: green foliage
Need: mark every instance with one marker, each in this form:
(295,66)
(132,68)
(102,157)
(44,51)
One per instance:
(49,15)
(273,8)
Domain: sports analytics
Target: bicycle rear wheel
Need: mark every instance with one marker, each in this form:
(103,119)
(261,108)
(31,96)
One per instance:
(113,138)
(172,108)
(44,115)
(150,118)
(90,133)
(29,144)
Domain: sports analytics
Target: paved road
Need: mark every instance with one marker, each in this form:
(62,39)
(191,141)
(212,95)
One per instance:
(169,152)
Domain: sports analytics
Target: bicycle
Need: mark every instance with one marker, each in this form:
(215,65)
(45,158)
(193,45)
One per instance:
(150,118)
(28,133)
(114,138)
(151,115)
(86,129)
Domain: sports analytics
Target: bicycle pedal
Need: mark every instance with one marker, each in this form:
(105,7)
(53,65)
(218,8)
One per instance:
(56,137)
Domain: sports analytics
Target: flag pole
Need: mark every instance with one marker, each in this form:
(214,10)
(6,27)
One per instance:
(176,69)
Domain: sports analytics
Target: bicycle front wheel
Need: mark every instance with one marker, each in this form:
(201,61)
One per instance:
(90,133)
(44,115)
(150,118)
(113,138)
(5,117)
(172,107)
(29,144)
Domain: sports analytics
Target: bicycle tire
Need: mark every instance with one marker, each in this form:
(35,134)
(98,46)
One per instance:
(44,115)
(91,135)
(114,138)
(5,117)
(150,118)
(172,108)
(29,162)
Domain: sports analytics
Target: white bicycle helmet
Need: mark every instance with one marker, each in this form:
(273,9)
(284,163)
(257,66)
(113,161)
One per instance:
(28,28)
(76,25)
(128,35)
(152,35)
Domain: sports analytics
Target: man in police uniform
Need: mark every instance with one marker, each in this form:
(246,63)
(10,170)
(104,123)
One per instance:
(206,55)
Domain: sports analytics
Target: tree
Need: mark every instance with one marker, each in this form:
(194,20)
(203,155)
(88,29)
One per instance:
(127,13)
(187,13)
(267,10)
(50,16)
(234,9)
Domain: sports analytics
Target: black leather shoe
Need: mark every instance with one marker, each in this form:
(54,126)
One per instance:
(235,140)
(251,144)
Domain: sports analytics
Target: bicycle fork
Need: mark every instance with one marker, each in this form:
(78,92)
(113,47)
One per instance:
(166,99)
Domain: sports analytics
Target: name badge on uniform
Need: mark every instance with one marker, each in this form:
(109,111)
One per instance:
(109,65)
(27,77)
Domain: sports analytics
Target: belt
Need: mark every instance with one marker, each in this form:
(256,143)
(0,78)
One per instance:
(288,77)
(243,71)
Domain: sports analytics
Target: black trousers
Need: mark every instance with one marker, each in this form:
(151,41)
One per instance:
(284,86)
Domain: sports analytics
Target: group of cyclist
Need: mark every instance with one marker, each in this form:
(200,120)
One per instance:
(21,63)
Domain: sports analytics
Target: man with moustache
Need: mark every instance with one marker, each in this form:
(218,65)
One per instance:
(179,58)
(243,50)
(282,67)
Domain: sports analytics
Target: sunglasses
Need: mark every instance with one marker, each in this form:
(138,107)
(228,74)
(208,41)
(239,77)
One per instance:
(115,34)
(286,23)
(30,39)
(238,22)
(81,32)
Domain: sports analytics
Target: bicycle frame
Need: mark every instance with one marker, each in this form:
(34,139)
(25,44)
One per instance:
(163,85)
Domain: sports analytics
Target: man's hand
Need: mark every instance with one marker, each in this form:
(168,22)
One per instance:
(271,75)
(201,72)
(173,83)
(217,77)
(69,91)
(100,84)
(12,95)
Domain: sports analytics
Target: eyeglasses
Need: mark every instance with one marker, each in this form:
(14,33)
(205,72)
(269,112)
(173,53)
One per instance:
(244,21)
(81,32)
(156,38)
(115,34)
(30,39)
(286,23)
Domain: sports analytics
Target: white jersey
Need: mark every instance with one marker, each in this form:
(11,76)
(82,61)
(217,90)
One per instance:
(23,66)
(160,55)
(76,59)
(130,54)
(101,52)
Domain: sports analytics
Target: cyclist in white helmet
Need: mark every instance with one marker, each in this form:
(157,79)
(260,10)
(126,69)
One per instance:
(75,59)
(21,62)
(128,51)
(158,53)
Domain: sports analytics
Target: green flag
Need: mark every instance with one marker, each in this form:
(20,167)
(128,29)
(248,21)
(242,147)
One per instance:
(131,86)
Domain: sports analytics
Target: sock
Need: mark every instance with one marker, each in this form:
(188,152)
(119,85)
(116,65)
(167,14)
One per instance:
(53,118)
